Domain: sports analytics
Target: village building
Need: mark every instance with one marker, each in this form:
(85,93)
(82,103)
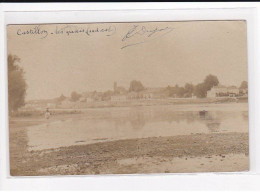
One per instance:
(132,95)
(233,91)
(119,93)
(223,91)
(116,98)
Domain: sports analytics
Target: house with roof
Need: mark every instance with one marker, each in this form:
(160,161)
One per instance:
(223,91)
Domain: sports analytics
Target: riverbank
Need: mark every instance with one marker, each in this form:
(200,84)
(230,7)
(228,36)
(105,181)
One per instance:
(217,142)
(78,108)
(208,152)
(75,107)
(152,102)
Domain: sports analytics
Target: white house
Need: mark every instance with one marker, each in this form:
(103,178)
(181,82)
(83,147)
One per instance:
(222,91)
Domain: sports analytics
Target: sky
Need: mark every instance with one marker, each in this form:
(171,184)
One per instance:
(61,58)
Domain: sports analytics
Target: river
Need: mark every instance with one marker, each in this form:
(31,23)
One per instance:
(117,123)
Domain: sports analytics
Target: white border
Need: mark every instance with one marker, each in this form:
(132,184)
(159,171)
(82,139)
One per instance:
(11,14)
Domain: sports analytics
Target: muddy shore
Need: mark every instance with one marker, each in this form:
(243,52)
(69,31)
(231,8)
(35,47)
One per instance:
(145,154)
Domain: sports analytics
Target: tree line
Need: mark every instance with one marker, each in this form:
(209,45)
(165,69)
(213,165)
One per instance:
(17,87)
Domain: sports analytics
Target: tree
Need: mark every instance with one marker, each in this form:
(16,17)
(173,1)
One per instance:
(16,84)
(189,89)
(180,91)
(107,95)
(200,90)
(75,96)
(244,85)
(176,91)
(210,81)
(61,98)
(136,86)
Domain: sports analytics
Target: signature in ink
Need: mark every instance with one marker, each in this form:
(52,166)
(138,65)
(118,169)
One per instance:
(142,34)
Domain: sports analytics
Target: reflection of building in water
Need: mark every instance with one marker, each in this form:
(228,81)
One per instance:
(138,118)
(223,91)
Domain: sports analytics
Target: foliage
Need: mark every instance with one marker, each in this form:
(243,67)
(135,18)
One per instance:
(210,81)
(75,96)
(16,84)
(244,85)
(61,98)
(136,86)
(107,95)
(200,90)
(189,89)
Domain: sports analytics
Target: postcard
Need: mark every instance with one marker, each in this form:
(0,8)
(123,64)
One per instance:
(128,98)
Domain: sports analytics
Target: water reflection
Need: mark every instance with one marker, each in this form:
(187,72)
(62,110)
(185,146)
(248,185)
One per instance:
(212,120)
(108,124)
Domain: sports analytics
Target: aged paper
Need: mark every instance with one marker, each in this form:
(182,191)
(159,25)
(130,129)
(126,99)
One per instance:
(128,98)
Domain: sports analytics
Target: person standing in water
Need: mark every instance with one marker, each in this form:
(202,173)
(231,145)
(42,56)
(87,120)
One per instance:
(47,114)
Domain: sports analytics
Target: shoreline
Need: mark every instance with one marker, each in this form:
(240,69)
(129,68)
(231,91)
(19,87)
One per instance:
(208,152)
(77,106)
(39,112)
(104,157)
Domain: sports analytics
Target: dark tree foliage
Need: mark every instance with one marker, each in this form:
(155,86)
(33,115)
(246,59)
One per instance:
(244,85)
(189,89)
(16,84)
(200,90)
(136,86)
(210,81)
(181,92)
(75,96)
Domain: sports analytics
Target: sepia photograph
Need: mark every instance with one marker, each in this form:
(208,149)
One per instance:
(128,98)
